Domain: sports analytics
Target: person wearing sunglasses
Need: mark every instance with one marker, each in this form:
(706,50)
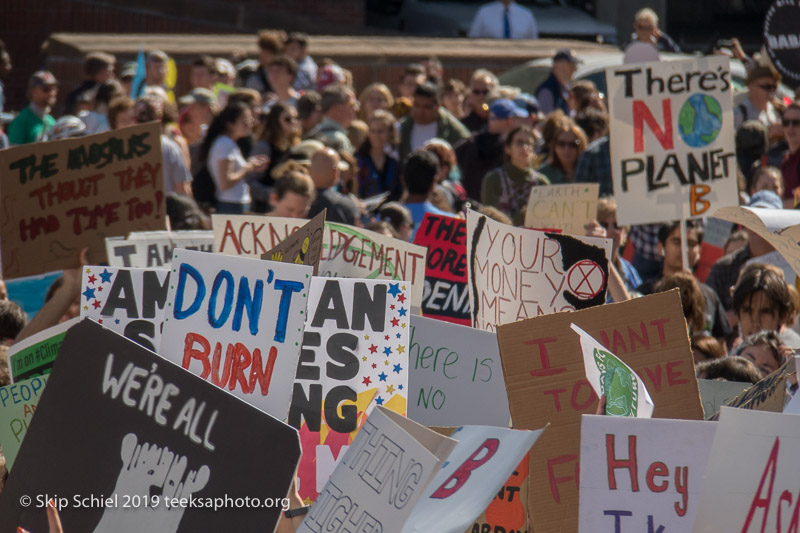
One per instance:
(32,123)
(762,84)
(565,146)
(480,85)
(790,167)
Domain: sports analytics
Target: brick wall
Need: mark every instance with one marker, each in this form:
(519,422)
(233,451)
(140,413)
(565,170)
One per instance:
(349,12)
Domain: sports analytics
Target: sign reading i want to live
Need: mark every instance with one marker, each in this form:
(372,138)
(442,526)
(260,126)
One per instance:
(672,139)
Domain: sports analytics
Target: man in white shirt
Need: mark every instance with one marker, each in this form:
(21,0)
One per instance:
(504,19)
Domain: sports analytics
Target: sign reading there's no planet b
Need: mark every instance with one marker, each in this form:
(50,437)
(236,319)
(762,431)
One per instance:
(118,421)
(130,301)
(456,376)
(238,323)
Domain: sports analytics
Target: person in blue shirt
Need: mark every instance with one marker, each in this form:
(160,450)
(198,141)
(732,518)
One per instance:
(419,174)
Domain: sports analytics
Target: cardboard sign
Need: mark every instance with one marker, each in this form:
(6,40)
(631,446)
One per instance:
(130,301)
(475,471)
(636,472)
(238,323)
(355,349)
(780,38)
(626,394)
(568,207)
(380,478)
(351,252)
(779,227)
(714,394)
(672,139)
(751,478)
(446,296)
(251,235)
(456,376)
(154,248)
(303,247)
(62,196)
(17,405)
(133,427)
(34,356)
(517,273)
(546,382)
(769,394)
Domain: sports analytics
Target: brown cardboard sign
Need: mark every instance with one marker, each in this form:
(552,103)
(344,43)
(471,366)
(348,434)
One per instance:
(303,247)
(546,382)
(61,196)
(769,394)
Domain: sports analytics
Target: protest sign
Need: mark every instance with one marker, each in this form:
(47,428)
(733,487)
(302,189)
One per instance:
(381,476)
(774,258)
(714,394)
(475,471)
(625,392)
(636,472)
(456,376)
(154,248)
(568,207)
(118,426)
(517,273)
(351,252)
(303,247)
(769,394)
(672,139)
(17,405)
(445,296)
(251,235)
(62,196)
(238,323)
(546,382)
(355,349)
(34,356)
(781,39)
(750,482)
(508,511)
(779,227)
(130,301)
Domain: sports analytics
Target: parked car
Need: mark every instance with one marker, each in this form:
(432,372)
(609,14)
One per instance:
(452,18)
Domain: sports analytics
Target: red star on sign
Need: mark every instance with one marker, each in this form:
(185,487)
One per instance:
(391,307)
(374,365)
(366,381)
(395,323)
(386,337)
(100,289)
(96,304)
(402,298)
(92,279)
(373,349)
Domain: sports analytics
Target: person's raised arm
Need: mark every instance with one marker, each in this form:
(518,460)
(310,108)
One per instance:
(229,177)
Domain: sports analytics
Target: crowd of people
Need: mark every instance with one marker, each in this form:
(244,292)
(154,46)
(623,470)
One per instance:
(289,136)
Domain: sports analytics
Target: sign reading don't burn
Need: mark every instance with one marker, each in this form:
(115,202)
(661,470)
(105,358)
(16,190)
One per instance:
(672,142)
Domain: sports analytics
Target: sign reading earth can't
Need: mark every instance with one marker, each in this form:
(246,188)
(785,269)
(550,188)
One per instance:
(782,37)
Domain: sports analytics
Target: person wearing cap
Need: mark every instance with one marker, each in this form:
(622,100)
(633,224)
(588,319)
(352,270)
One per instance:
(325,170)
(762,84)
(32,123)
(646,30)
(553,93)
(504,19)
(427,120)
(483,150)
(339,108)
(126,76)
(725,271)
(97,68)
(480,85)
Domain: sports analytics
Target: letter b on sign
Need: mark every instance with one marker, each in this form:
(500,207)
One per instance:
(462,473)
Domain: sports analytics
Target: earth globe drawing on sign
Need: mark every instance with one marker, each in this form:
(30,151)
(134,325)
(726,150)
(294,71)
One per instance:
(700,120)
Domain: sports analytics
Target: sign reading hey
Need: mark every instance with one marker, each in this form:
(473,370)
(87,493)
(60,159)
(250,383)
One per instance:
(238,323)
(355,349)
(143,437)
(62,196)
(130,301)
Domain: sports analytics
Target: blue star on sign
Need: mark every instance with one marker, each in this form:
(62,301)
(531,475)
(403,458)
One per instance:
(387,351)
(400,386)
(398,335)
(382,376)
(89,293)
(379,400)
(402,311)
(394,289)
(397,368)
(116,321)
(105,275)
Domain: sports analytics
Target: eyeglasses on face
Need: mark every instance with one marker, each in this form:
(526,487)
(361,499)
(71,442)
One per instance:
(480,92)
(794,122)
(769,87)
(568,144)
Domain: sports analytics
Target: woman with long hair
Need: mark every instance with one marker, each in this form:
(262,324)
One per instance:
(566,145)
(281,131)
(508,187)
(374,96)
(225,161)
(378,170)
